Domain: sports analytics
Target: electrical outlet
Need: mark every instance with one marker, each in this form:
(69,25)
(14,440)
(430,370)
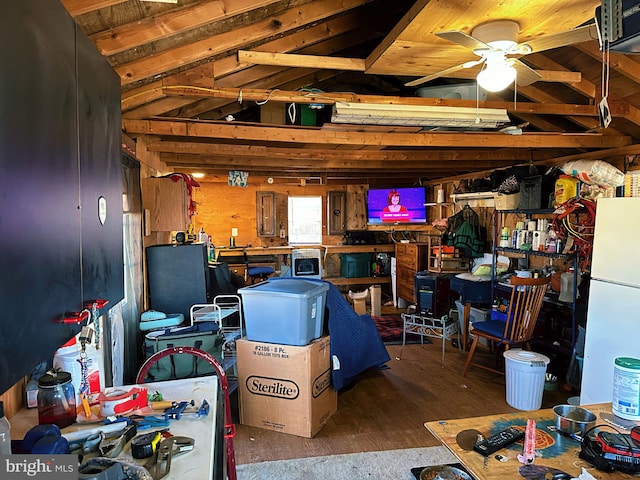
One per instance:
(282,233)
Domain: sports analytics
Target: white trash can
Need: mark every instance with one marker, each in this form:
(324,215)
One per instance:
(525,372)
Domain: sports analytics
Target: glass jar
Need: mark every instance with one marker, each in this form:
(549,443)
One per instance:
(56,399)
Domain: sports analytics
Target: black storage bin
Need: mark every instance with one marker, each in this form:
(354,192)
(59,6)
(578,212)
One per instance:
(531,193)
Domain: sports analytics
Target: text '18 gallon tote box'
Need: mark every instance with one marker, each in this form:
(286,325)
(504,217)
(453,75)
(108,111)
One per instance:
(286,310)
(286,388)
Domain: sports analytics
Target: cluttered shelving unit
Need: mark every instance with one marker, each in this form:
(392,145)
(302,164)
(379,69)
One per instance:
(523,249)
(226,311)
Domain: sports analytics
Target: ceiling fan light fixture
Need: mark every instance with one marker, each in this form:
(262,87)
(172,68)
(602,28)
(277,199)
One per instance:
(496,76)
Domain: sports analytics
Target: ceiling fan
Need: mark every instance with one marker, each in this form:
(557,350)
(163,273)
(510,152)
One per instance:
(494,41)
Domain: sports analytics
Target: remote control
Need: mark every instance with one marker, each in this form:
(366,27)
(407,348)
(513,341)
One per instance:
(498,441)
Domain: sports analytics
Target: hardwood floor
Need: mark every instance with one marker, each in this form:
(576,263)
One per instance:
(386,409)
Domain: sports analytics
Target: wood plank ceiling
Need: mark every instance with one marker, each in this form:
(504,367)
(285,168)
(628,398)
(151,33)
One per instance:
(212,85)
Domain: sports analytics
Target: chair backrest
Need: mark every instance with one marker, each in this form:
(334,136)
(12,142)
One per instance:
(526,300)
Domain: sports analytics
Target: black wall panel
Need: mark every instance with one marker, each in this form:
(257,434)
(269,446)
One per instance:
(41,259)
(100,176)
(178,277)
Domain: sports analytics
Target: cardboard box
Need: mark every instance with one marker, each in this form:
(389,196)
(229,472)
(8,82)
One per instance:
(286,388)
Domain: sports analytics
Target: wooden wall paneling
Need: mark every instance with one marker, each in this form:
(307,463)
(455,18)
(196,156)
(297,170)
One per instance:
(221,207)
(356,207)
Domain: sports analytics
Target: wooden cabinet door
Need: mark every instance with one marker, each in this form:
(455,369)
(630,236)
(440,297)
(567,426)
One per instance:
(266,214)
(166,202)
(336,215)
(410,259)
(357,207)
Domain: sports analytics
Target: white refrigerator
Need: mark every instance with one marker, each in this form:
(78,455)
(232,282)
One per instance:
(613,316)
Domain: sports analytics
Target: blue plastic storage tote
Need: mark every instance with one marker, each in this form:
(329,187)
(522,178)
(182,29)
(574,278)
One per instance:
(289,311)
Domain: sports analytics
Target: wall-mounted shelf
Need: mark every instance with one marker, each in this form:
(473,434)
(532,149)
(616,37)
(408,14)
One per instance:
(476,199)
(523,253)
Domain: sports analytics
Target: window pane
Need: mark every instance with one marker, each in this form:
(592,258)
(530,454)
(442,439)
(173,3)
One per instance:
(305,220)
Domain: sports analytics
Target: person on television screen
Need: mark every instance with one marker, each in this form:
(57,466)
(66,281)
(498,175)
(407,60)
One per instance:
(394,211)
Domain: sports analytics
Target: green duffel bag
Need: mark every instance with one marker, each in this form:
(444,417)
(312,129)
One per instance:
(206,336)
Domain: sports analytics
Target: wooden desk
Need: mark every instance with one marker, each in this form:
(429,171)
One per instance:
(251,251)
(555,450)
(207,458)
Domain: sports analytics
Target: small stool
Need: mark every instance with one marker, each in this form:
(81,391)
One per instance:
(359,300)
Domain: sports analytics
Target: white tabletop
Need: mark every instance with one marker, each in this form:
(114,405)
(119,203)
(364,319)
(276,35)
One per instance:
(198,463)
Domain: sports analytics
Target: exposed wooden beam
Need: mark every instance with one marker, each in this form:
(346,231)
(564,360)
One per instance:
(229,72)
(356,64)
(329,98)
(261,151)
(260,132)
(151,29)
(292,19)
(617,61)
(296,60)
(80,7)
(317,164)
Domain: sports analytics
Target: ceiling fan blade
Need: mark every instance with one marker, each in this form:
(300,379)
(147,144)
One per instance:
(461,38)
(562,39)
(526,75)
(442,73)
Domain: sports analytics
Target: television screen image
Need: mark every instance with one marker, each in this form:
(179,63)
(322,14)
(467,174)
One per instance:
(396,205)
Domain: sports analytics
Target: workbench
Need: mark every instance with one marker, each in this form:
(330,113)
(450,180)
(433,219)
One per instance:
(277,256)
(553,450)
(206,461)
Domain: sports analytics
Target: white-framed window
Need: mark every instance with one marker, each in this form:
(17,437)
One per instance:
(305,220)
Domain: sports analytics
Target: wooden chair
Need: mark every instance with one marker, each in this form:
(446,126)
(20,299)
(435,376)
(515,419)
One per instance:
(229,427)
(527,295)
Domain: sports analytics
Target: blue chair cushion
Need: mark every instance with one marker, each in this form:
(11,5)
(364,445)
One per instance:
(491,327)
(254,271)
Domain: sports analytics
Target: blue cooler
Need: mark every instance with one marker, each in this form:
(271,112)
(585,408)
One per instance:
(288,311)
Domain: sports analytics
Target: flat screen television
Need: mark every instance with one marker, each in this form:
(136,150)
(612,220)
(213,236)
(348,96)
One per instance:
(389,206)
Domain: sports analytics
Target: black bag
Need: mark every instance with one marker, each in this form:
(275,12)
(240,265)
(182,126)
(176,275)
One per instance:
(531,193)
(206,336)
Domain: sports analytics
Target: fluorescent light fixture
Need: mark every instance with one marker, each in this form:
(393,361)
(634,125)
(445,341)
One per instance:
(417,115)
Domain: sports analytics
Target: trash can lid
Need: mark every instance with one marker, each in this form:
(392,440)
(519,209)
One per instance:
(525,356)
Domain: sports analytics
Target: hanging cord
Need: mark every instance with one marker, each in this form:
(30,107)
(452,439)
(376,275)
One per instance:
(576,219)
(263,102)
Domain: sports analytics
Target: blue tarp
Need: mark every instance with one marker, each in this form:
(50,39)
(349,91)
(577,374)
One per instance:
(355,342)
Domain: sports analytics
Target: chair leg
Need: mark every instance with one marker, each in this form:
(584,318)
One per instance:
(472,350)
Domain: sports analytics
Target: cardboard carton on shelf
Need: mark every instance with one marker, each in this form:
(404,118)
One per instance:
(286,388)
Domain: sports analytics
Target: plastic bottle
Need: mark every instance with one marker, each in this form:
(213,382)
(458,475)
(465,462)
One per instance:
(504,237)
(566,188)
(5,433)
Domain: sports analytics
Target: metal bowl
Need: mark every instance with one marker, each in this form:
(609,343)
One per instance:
(444,472)
(574,420)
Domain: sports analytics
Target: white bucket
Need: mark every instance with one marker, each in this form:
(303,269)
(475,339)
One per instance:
(626,388)
(66,359)
(525,372)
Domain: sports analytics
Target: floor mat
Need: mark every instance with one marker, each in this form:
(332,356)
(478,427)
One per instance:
(390,329)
